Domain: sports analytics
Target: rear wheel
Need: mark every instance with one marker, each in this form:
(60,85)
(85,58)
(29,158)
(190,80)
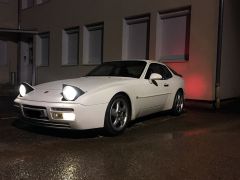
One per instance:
(178,103)
(117,115)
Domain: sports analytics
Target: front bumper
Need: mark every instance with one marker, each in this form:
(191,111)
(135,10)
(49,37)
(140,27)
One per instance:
(51,114)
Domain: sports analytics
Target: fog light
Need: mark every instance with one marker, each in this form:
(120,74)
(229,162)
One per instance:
(69,116)
(57,115)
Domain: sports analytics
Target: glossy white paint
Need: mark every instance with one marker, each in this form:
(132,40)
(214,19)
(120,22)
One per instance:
(155,76)
(146,97)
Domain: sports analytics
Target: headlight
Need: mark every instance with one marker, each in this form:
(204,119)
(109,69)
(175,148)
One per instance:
(71,93)
(22,90)
(25,88)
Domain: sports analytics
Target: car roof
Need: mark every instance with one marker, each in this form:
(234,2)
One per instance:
(146,60)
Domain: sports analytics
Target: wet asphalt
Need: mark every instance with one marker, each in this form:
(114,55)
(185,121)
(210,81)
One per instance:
(199,144)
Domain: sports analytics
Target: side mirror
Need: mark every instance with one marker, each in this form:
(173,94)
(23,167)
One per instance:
(154,77)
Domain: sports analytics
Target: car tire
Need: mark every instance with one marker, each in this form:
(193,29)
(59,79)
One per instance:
(178,103)
(117,115)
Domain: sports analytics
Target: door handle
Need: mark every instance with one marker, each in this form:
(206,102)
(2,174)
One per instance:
(166,85)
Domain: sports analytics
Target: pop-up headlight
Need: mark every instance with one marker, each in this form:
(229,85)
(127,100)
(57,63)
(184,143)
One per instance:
(24,89)
(71,93)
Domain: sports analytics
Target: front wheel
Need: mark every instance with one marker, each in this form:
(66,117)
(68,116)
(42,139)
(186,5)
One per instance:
(117,115)
(178,103)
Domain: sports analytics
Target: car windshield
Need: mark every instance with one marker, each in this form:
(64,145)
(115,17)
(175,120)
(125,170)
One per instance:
(132,69)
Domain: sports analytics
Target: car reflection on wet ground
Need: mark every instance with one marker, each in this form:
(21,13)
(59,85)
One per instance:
(200,144)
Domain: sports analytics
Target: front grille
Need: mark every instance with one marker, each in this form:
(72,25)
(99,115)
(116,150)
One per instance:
(46,123)
(37,115)
(36,112)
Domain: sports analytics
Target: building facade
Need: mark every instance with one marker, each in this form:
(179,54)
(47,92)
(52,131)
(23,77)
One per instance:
(66,39)
(8,42)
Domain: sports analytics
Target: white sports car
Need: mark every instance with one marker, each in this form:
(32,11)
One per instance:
(108,97)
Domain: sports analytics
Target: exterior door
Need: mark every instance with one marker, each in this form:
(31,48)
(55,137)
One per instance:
(153,96)
(26,60)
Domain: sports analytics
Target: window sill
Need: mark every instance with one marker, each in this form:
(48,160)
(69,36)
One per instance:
(173,61)
(42,66)
(90,64)
(40,4)
(69,65)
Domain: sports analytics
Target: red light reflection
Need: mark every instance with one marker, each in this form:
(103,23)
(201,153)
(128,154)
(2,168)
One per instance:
(195,86)
(195,132)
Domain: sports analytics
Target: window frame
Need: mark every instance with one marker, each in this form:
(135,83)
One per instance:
(65,33)
(174,13)
(136,19)
(87,29)
(40,39)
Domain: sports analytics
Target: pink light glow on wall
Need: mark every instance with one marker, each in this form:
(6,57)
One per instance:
(195,82)
(195,86)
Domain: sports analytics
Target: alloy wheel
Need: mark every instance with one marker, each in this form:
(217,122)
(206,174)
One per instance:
(119,113)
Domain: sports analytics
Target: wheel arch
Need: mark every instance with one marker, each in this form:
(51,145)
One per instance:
(174,110)
(181,90)
(132,110)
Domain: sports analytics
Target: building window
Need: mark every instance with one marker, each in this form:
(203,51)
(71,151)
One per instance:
(3,53)
(136,37)
(27,4)
(93,44)
(70,50)
(173,34)
(41,1)
(43,49)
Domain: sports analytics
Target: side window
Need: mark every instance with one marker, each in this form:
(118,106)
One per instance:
(160,69)
(166,72)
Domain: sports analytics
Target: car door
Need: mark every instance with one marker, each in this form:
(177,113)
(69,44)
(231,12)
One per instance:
(152,96)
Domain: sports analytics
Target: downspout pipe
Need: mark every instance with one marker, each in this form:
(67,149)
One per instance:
(219,55)
(19,14)
(18,42)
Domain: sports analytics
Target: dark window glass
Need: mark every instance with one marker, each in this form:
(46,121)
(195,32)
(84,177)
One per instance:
(132,69)
(166,72)
(160,69)
(174,72)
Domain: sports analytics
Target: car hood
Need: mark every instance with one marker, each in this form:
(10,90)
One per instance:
(51,91)
(84,83)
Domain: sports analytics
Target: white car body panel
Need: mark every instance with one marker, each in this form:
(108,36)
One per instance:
(90,116)
(90,108)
